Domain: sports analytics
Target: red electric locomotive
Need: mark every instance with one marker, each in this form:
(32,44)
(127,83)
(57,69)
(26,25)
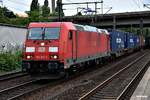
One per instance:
(58,47)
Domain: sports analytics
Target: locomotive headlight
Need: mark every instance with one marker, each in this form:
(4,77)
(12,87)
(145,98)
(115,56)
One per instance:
(28,57)
(53,49)
(55,57)
(42,44)
(30,49)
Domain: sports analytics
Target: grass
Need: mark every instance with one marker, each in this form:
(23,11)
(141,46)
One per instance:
(10,61)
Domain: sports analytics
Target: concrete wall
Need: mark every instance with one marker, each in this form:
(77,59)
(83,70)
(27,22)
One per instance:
(11,38)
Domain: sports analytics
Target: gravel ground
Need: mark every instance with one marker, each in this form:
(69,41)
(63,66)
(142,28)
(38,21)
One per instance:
(74,88)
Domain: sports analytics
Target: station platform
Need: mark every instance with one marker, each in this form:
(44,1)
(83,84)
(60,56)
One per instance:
(142,91)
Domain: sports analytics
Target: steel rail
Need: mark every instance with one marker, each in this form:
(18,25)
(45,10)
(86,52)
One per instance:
(17,86)
(12,76)
(5,75)
(104,83)
(136,77)
(27,92)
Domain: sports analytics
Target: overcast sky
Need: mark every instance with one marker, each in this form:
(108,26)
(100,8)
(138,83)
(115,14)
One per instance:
(117,5)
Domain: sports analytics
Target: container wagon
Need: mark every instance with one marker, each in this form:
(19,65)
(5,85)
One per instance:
(136,40)
(117,40)
(129,42)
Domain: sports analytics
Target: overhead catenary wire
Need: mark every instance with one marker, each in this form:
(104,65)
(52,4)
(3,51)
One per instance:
(75,5)
(87,4)
(146,5)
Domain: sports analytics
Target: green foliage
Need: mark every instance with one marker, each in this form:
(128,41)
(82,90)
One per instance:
(46,3)
(9,62)
(4,12)
(19,21)
(5,15)
(59,8)
(34,16)
(45,11)
(34,5)
(79,14)
(8,13)
(1,13)
(53,14)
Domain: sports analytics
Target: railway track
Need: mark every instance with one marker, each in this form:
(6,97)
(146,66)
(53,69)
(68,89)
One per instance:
(29,88)
(89,80)
(16,92)
(12,76)
(107,89)
(12,79)
(8,93)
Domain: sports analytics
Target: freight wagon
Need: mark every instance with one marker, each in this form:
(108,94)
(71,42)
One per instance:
(136,40)
(129,42)
(117,40)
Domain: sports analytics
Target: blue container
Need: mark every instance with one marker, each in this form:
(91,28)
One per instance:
(117,40)
(129,41)
(136,41)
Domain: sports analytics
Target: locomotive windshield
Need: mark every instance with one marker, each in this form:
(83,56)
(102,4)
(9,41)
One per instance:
(44,33)
(35,33)
(51,33)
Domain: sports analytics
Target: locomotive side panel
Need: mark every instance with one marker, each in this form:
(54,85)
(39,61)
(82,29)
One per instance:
(86,45)
(104,44)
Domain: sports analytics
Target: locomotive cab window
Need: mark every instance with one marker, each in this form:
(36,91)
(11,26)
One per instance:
(35,33)
(70,35)
(52,33)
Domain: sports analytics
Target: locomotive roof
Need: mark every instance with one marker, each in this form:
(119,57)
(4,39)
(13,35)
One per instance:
(68,25)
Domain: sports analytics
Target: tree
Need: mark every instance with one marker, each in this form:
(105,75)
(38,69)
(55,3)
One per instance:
(46,3)
(45,9)
(34,5)
(7,13)
(59,8)
(34,12)
(79,14)
(1,13)
(34,16)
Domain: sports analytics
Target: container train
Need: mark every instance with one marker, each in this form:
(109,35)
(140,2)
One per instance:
(58,48)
